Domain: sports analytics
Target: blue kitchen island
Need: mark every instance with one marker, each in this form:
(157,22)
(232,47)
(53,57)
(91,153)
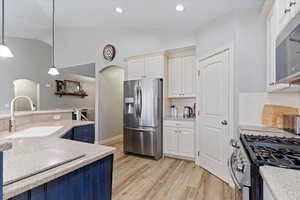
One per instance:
(64,166)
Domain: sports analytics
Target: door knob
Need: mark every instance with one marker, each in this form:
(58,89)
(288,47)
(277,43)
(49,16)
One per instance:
(224,122)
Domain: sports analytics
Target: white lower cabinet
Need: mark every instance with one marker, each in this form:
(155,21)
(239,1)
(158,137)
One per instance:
(179,140)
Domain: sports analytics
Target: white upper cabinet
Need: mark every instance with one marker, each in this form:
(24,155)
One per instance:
(182,77)
(154,66)
(136,68)
(150,66)
(295,5)
(272,33)
(189,75)
(175,77)
(284,13)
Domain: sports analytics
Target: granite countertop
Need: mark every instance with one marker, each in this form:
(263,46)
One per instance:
(179,118)
(28,147)
(283,183)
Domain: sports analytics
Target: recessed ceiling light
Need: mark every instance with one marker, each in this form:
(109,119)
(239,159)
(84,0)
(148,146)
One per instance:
(180,7)
(119,10)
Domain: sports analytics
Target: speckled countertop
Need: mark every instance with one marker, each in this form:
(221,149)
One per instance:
(283,183)
(24,148)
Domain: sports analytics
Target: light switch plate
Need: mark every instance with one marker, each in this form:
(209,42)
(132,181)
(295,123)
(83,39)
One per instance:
(56,117)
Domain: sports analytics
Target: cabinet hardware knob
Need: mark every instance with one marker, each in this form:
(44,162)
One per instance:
(293,3)
(287,10)
(224,122)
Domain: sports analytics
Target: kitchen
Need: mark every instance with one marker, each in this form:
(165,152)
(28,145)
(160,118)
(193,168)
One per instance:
(184,84)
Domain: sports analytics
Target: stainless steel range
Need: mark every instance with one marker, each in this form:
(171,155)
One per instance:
(273,151)
(240,171)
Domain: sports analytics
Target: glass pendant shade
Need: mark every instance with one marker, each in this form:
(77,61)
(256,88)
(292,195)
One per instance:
(53,71)
(5,52)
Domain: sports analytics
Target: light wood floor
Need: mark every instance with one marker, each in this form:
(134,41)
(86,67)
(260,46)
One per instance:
(136,178)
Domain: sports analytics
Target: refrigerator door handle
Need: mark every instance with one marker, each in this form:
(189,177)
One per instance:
(141,129)
(141,101)
(137,102)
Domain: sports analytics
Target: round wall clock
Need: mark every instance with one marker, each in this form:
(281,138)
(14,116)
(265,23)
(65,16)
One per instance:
(109,52)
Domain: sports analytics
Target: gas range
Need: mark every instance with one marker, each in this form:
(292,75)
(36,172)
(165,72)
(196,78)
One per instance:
(259,151)
(274,151)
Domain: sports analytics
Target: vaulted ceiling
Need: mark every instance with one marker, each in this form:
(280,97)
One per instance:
(32,18)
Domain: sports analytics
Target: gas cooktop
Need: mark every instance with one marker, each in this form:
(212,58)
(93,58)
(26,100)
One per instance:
(275,151)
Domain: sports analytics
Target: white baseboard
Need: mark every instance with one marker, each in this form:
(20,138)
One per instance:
(111,139)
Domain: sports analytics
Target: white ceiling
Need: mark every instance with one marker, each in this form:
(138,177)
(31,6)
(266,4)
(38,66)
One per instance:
(32,18)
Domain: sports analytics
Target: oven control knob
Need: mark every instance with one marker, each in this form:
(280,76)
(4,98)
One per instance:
(240,167)
(234,143)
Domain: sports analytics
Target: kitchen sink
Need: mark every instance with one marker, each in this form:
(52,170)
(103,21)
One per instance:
(40,131)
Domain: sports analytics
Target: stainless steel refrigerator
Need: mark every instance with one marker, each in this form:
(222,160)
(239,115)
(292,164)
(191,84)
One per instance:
(143,117)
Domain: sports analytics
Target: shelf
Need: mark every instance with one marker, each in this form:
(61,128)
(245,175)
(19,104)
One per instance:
(70,94)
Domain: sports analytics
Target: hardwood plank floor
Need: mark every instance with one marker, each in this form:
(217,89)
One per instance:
(137,178)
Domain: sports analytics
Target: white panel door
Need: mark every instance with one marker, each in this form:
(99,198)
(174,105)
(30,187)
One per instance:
(175,77)
(136,69)
(186,142)
(213,99)
(171,141)
(189,76)
(154,66)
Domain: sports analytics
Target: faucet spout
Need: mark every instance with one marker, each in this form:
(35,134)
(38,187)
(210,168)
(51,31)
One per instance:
(12,121)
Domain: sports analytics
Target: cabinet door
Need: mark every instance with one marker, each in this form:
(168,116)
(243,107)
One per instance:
(171,141)
(136,69)
(84,134)
(271,49)
(188,76)
(295,5)
(284,13)
(154,66)
(175,77)
(186,142)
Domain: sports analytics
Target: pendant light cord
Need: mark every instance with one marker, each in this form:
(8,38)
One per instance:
(53,34)
(2,37)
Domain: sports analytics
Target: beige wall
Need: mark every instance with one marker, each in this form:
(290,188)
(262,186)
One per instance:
(111,102)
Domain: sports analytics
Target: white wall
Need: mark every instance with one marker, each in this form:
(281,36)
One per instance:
(111,94)
(251,105)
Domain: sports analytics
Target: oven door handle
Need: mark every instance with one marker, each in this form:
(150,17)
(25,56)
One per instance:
(231,171)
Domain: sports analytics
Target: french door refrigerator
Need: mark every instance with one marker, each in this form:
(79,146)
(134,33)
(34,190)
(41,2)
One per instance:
(143,117)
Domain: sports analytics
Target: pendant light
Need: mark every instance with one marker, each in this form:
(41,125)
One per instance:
(53,70)
(4,50)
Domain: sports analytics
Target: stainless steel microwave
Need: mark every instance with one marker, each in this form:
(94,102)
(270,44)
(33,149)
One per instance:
(288,55)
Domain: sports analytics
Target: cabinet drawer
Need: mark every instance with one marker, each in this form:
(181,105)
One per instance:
(179,124)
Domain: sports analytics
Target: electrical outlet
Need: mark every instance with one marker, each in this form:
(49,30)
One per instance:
(56,117)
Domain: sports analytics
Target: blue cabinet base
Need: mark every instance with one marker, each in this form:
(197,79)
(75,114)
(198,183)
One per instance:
(82,134)
(92,182)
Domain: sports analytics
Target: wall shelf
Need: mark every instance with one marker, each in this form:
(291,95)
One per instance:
(60,94)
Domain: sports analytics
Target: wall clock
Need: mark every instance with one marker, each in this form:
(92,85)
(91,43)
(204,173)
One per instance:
(109,52)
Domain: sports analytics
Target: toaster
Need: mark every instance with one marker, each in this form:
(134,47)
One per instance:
(291,123)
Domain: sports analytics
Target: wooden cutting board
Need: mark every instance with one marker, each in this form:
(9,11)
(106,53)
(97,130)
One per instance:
(273,115)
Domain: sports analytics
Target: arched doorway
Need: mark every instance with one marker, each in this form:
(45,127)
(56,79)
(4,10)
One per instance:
(29,88)
(111,81)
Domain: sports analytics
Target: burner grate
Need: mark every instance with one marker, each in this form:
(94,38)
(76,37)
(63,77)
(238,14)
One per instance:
(275,151)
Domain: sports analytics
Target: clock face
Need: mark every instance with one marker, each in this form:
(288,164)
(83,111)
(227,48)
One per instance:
(109,52)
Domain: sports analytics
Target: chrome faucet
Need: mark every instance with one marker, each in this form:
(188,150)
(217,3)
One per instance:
(12,121)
